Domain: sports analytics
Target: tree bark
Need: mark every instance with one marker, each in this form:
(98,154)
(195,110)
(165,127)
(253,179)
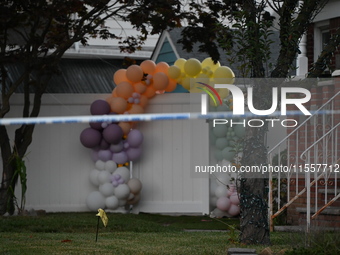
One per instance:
(254,208)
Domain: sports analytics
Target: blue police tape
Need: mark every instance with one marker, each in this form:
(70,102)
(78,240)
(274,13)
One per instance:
(142,117)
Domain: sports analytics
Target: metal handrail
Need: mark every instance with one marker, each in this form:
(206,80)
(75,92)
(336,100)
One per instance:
(311,146)
(306,120)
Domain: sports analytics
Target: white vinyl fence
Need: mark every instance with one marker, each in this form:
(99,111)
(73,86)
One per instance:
(58,166)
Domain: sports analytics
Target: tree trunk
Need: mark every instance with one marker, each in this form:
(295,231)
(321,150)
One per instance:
(254,208)
(8,178)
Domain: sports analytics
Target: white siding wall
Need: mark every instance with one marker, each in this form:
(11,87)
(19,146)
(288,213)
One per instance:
(58,165)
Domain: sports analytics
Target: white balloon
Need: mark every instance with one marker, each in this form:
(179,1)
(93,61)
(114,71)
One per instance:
(107,189)
(110,166)
(122,202)
(112,202)
(221,191)
(223,180)
(122,191)
(94,177)
(135,185)
(123,172)
(104,177)
(100,164)
(95,200)
(217,213)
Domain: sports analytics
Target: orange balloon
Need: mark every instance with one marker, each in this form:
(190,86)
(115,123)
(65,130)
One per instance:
(162,67)
(119,76)
(143,101)
(118,105)
(136,109)
(114,92)
(124,89)
(139,87)
(149,92)
(171,86)
(160,81)
(134,73)
(128,107)
(148,66)
(126,127)
(109,99)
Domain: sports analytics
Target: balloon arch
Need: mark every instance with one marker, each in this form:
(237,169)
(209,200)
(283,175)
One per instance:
(113,145)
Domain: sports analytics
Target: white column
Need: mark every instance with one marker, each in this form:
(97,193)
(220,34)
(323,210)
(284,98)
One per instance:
(302,60)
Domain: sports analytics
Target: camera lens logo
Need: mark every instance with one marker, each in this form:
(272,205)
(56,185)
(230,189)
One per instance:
(213,94)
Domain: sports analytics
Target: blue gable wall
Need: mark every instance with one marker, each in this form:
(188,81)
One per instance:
(167,54)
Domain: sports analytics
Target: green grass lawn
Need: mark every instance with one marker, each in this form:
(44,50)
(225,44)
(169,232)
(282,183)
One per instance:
(75,233)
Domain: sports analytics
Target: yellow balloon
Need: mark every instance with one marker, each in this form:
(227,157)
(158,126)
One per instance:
(192,67)
(186,83)
(223,93)
(180,63)
(208,62)
(223,72)
(174,72)
(202,75)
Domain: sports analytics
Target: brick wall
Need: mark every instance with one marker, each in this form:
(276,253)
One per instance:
(319,96)
(334,24)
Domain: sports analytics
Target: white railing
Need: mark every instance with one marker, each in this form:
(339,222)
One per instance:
(323,155)
(317,138)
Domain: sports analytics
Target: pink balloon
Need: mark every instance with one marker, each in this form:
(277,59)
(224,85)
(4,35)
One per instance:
(135,138)
(113,133)
(90,137)
(100,107)
(234,199)
(232,187)
(120,157)
(234,210)
(223,203)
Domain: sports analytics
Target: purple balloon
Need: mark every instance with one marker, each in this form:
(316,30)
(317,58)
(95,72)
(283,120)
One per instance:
(115,183)
(134,153)
(104,145)
(113,133)
(104,155)
(117,147)
(100,107)
(96,125)
(135,138)
(120,157)
(115,177)
(90,137)
(126,145)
